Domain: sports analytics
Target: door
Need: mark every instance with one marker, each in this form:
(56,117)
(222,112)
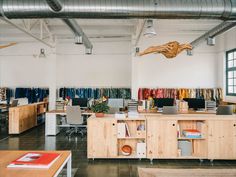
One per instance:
(161,138)
(102,138)
(222,139)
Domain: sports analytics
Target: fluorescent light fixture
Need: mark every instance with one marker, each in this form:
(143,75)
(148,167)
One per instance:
(42,53)
(149,29)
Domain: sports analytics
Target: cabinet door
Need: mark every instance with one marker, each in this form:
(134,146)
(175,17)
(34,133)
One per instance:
(222,139)
(102,138)
(161,138)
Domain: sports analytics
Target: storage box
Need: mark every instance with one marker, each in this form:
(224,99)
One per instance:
(186,147)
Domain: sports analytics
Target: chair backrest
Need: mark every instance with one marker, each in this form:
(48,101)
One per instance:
(224,110)
(73,115)
(169,110)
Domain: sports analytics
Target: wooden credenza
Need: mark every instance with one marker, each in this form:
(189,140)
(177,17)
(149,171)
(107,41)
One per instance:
(218,140)
(22,118)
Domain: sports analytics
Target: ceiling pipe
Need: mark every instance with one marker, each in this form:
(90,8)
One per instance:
(80,37)
(118,9)
(77,30)
(56,5)
(219,29)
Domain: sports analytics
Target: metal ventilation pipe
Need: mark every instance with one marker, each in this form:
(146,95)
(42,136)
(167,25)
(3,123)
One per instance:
(219,29)
(55,5)
(161,9)
(77,30)
(80,37)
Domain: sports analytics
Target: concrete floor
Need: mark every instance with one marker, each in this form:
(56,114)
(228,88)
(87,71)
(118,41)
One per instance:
(34,139)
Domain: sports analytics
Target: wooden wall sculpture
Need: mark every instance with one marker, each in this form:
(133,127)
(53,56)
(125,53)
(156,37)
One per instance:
(169,50)
(7,45)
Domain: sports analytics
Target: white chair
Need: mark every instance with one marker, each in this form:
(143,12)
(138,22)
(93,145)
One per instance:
(75,121)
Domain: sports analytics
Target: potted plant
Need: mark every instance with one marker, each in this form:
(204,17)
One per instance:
(100,108)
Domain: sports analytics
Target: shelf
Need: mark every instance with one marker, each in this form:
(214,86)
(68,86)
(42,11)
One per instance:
(132,138)
(183,138)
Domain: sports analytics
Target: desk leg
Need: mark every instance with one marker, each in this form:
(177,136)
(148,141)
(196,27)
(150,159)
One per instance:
(69,167)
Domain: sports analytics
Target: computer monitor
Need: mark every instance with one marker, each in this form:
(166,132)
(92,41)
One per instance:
(115,103)
(82,102)
(160,102)
(14,103)
(195,103)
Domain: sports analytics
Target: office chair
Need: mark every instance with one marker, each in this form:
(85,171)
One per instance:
(74,120)
(169,110)
(224,110)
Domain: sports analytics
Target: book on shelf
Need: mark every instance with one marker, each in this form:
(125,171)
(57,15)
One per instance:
(123,130)
(191,133)
(42,160)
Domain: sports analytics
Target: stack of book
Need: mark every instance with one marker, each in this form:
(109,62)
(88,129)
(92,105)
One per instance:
(133,109)
(191,133)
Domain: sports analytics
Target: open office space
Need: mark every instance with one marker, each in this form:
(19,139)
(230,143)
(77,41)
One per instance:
(117,88)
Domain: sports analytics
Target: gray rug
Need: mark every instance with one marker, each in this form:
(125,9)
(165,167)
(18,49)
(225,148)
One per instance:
(63,173)
(159,172)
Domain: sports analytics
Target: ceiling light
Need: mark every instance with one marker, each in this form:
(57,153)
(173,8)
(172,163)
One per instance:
(88,51)
(149,29)
(211,41)
(78,40)
(42,53)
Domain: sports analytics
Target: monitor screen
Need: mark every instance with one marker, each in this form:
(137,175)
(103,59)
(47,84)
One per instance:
(160,102)
(195,103)
(115,103)
(82,102)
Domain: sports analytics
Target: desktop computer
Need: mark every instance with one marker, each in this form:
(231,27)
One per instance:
(195,103)
(82,102)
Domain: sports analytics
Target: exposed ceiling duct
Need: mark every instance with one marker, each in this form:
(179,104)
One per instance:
(74,26)
(219,29)
(161,9)
(80,37)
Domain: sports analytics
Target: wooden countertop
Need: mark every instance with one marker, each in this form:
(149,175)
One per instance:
(8,156)
(172,117)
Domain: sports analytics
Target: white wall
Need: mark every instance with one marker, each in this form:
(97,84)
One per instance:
(154,70)
(109,66)
(225,42)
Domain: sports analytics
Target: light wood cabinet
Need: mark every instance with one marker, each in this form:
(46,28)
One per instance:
(161,139)
(102,138)
(222,139)
(22,118)
(164,137)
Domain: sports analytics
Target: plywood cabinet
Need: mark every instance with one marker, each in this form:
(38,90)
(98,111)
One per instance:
(164,137)
(161,139)
(222,139)
(22,118)
(102,138)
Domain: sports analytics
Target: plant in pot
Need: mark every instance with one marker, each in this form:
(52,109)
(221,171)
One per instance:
(100,108)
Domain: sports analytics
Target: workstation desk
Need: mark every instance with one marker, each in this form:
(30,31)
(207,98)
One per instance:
(52,122)
(161,136)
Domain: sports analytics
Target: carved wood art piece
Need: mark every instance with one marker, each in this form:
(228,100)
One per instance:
(7,45)
(169,50)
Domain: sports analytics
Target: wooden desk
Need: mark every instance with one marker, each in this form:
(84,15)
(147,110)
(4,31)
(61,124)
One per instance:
(8,156)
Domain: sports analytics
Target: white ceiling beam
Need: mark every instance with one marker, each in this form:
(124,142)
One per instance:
(27,30)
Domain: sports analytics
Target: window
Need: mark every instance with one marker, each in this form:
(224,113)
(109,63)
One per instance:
(231,72)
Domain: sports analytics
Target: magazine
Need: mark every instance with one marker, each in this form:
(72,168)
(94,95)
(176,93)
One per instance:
(35,160)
